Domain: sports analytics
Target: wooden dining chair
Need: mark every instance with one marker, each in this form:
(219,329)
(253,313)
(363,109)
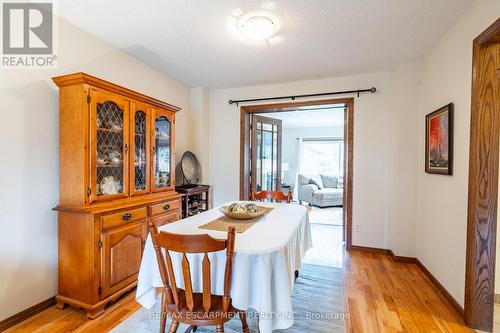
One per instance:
(184,305)
(274,196)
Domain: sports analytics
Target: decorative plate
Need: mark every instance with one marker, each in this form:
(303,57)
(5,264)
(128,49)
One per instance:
(109,185)
(190,167)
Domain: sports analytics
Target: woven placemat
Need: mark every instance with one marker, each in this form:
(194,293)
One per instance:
(223,222)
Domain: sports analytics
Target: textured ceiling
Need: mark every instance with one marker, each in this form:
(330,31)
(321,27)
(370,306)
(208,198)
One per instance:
(194,40)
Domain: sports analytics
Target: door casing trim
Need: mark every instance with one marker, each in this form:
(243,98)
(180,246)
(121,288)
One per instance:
(248,110)
(483,190)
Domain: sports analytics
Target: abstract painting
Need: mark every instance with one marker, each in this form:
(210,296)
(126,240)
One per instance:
(439,141)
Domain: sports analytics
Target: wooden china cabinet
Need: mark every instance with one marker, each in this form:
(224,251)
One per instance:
(116,175)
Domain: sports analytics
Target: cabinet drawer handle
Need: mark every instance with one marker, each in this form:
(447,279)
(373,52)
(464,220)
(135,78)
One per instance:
(126,217)
(166,207)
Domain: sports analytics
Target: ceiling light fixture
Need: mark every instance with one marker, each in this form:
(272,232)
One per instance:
(257,27)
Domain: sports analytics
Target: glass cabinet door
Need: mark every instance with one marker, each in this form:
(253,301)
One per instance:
(162,154)
(266,154)
(139,148)
(109,145)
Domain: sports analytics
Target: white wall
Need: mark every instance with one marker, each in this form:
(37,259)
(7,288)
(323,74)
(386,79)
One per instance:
(29,153)
(442,200)
(199,121)
(372,145)
(289,144)
(403,202)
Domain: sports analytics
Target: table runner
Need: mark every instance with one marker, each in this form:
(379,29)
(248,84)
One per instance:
(223,222)
(266,258)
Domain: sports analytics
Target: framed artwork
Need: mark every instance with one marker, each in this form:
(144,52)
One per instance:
(439,141)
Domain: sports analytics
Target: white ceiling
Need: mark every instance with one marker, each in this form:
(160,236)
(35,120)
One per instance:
(311,118)
(193,41)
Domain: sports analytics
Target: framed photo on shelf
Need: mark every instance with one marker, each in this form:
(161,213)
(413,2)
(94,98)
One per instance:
(439,141)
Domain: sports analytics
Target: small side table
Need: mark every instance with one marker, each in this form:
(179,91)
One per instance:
(195,200)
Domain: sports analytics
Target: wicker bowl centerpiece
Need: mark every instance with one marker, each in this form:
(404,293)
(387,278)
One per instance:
(243,210)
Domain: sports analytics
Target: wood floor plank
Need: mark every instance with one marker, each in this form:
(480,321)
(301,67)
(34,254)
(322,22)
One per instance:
(397,296)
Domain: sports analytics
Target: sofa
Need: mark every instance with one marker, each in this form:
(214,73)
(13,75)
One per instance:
(320,190)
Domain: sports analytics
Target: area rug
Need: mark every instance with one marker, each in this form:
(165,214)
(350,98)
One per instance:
(329,215)
(318,303)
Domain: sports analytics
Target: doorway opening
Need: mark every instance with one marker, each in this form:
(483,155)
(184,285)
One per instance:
(283,150)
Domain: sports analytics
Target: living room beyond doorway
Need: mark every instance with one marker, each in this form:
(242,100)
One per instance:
(303,149)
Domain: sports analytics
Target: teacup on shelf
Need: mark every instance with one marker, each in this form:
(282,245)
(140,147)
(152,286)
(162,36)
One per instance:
(116,127)
(115,157)
(101,160)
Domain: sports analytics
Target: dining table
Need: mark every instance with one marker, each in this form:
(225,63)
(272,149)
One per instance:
(266,257)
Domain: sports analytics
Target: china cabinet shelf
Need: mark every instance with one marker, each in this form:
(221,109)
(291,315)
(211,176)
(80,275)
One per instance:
(101,236)
(110,130)
(112,165)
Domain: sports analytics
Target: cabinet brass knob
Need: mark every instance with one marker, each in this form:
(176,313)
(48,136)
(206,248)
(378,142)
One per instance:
(166,207)
(126,217)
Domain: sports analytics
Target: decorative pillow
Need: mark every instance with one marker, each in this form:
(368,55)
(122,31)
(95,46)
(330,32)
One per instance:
(329,181)
(316,180)
(303,180)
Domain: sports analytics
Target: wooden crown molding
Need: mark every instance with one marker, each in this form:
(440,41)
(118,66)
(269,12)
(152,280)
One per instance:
(294,106)
(490,35)
(81,78)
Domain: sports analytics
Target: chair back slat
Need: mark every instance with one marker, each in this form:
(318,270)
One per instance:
(274,196)
(192,244)
(207,291)
(161,262)
(171,278)
(188,288)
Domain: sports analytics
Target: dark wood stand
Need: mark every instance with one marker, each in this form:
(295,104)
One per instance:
(195,200)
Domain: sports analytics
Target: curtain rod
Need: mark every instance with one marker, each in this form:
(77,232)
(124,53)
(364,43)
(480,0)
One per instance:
(293,97)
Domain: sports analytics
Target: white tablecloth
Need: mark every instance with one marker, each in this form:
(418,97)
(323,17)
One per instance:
(266,258)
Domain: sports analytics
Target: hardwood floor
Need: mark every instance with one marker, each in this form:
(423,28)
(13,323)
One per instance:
(381,296)
(71,320)
(387,296)
(330,253)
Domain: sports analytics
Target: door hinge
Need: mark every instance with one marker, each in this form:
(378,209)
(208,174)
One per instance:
(99,244)
(89,191)
(89,99)
(143,243)
(99,291)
